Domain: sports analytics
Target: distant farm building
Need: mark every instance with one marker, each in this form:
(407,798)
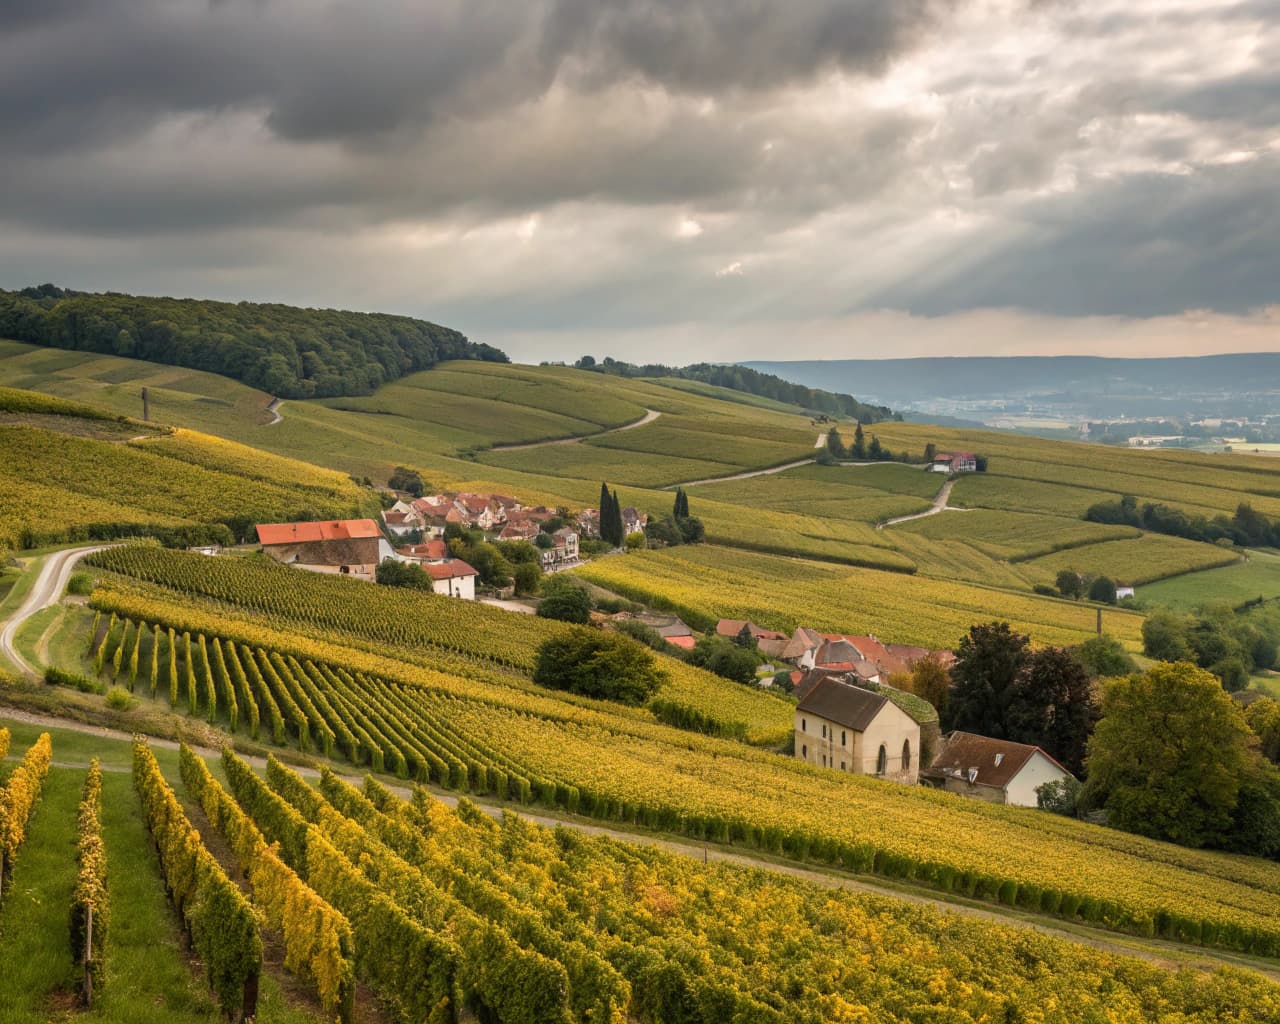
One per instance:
(347,547)
(954,462)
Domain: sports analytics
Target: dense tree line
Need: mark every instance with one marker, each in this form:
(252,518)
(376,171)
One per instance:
(1247,528)
(751,382)
(1230,646)
(286,351)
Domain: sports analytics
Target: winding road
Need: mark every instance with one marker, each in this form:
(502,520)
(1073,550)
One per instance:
(274,409)
(46,590)
(939,505)
(649,416)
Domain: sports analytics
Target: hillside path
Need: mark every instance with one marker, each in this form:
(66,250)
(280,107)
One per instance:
(649,416)
(771,470)
(46,590)
(1162,953)
(274,409)
(939,505)
(742,476)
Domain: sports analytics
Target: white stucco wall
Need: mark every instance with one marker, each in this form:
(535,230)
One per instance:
(1021,790)
(456,586)
(844,749)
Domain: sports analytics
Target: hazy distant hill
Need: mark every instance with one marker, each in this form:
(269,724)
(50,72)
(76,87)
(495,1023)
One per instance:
(900,381)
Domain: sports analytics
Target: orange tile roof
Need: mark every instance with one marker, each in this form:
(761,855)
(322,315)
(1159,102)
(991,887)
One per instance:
(448,570)
(303,533)
(687,642)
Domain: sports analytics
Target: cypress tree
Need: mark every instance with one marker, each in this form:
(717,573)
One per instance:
(615,510)
(859,444)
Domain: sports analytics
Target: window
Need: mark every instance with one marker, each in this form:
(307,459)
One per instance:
(844,739)
(824,760)
(842,766)
(906,755)
(804,751)
(882,760)
(804,725)
(824,731)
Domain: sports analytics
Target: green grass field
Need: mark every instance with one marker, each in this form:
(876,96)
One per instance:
(1258,576)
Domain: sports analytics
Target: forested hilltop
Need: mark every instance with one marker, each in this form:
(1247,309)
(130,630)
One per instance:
(286,351)
(748,381)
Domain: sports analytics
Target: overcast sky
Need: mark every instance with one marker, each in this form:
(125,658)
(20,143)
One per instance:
(665,179)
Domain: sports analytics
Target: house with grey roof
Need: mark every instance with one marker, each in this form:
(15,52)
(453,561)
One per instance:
(851,729)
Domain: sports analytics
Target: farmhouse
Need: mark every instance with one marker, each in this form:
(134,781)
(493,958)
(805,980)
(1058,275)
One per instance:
(997,771)
(841,726)
(348,547)
(454,578)
(954,462)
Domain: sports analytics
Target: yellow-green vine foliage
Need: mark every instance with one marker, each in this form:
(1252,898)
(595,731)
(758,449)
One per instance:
(91,881)
(4,744)
(317,939)
(222,924)
(19,795)
(411,967)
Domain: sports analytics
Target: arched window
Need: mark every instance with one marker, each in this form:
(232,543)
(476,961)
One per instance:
(824,731)
(804,725)
(844,738)
(804,750)
(906,755)
(882,760)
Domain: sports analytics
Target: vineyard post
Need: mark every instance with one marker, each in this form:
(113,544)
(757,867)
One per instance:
(88,958)
(1099,622)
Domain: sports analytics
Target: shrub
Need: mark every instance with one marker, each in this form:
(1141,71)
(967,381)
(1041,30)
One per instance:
(565,601)
(597,664)
(119,699)
(80,584)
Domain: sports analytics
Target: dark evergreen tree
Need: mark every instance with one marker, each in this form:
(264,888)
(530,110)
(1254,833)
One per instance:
(859,450)
(617,532)
(834,445)
(875,452)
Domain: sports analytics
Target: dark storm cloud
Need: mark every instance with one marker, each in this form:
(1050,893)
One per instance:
(79,72)
(546,162)
(1144,246)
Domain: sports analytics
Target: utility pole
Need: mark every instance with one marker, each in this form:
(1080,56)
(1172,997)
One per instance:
(146,407)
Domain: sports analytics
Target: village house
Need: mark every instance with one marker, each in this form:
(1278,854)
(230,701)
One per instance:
(435,550)
(954,462)
(851,729)
(589,523)
(808,649)
(997,771)
(452,578)
(564,549)
(347,547)
(633,521)
(524,530)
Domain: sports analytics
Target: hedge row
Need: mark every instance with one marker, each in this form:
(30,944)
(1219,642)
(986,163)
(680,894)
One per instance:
(91,881)
(218,918)
(18,797)
(317,939)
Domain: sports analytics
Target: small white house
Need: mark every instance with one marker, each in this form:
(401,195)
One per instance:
(997,771)
(1123,592)
(454,578)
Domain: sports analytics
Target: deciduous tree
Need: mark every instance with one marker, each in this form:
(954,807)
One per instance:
(1168,755)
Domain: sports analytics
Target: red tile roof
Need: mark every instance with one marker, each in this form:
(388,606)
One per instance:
(687,642)
(431,549)
(448,570)
(302,533)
